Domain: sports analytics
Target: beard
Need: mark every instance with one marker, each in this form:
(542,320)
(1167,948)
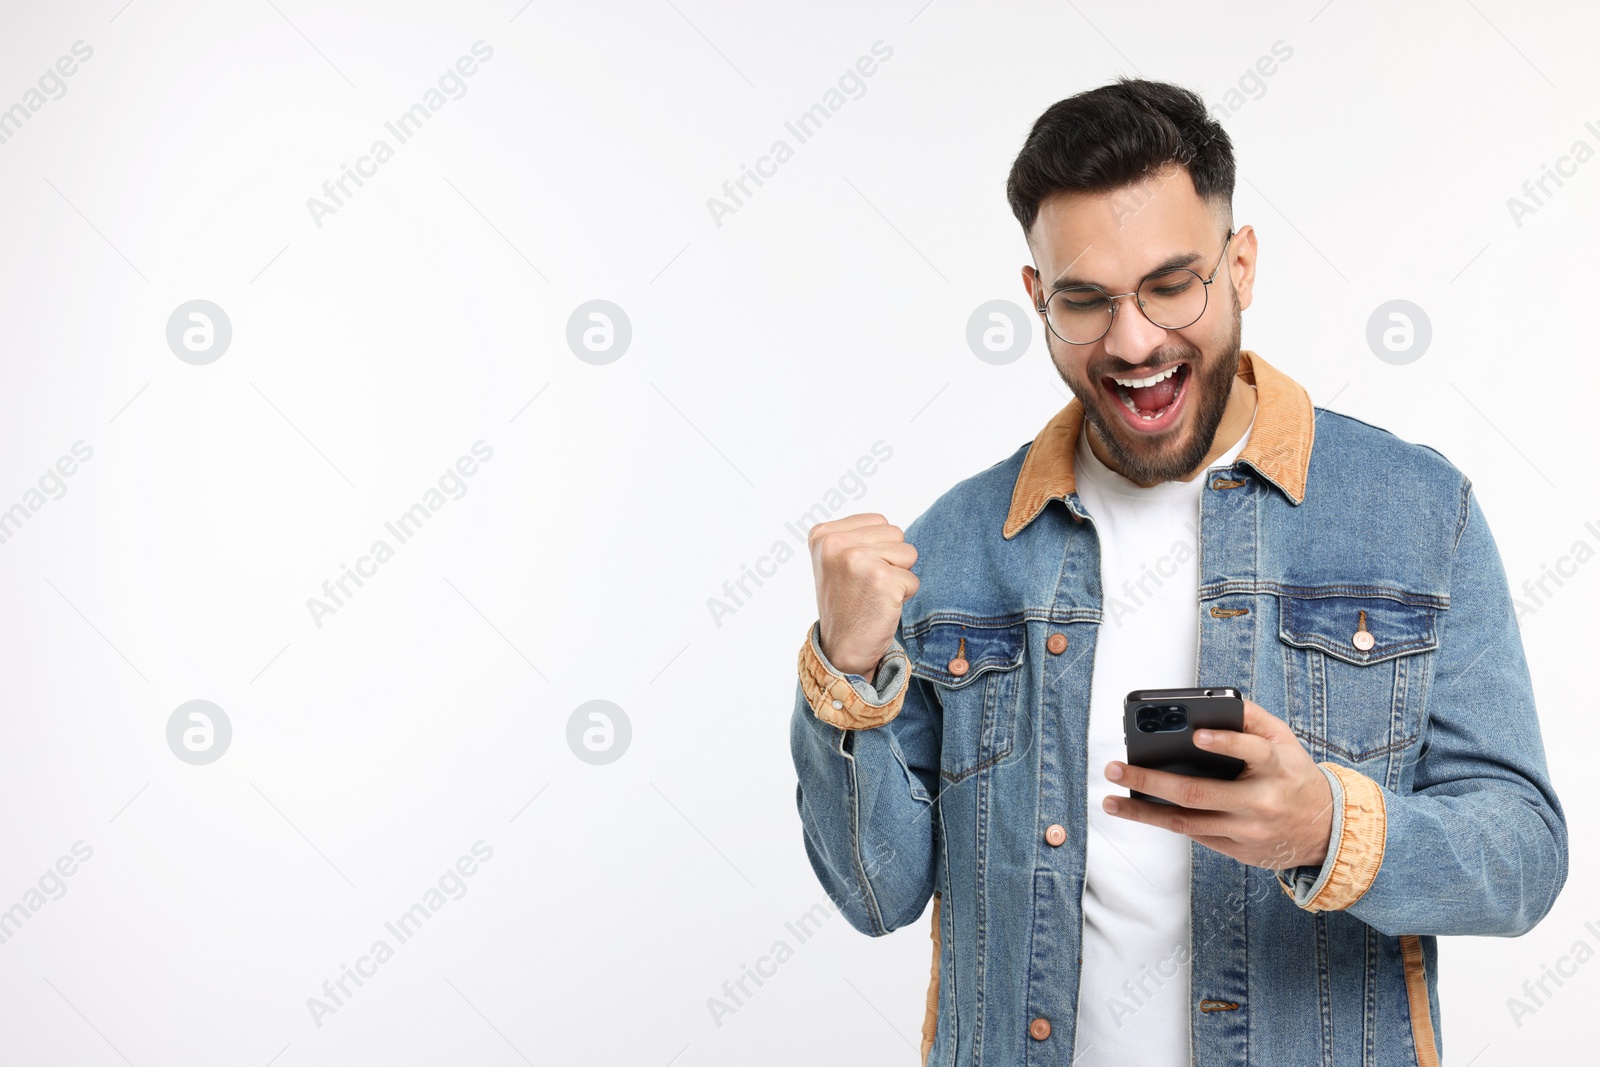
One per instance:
(1151,458)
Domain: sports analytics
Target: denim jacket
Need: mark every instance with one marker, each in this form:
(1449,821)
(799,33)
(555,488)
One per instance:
(1353,590)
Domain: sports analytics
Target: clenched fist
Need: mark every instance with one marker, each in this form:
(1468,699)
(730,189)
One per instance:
(862,566)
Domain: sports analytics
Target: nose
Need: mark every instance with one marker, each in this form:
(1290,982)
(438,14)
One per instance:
(1132,336)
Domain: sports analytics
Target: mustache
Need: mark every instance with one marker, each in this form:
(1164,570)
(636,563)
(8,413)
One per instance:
(1126,370)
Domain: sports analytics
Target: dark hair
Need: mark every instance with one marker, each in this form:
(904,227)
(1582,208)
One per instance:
(1107,138)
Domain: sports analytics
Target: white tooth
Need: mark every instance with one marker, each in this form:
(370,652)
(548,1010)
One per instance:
(1141,383)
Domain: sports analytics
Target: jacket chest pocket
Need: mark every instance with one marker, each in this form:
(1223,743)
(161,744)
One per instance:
(974,671)
(1356,669)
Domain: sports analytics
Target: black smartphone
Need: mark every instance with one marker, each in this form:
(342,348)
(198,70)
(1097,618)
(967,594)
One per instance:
(1158,727)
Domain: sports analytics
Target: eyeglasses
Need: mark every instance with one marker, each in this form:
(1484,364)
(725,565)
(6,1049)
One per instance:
(1172,299)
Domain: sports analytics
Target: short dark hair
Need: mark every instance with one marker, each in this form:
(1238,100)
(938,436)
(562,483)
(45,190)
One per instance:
(1107,138)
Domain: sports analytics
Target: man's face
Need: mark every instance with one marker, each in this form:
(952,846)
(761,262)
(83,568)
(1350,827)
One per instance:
(1154,433)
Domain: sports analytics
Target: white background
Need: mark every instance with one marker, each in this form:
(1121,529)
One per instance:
(768,354)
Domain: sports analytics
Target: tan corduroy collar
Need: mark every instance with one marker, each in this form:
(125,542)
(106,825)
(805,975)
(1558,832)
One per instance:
(1279,445)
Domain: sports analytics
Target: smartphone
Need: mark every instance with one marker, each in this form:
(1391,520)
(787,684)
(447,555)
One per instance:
(1158,727)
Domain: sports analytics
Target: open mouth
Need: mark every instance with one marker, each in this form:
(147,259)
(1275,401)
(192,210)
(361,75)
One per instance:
(1152,402)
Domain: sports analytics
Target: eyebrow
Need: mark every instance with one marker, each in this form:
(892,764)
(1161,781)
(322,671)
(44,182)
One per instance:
(1172,262)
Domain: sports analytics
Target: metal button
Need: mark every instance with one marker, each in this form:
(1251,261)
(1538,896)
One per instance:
(1362,639)
(1056,835)
(1039,1029)
(838,703)
(958,666)
(1057,643)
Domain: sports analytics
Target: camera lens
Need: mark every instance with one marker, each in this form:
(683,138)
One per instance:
(1173,717)
(1149,726)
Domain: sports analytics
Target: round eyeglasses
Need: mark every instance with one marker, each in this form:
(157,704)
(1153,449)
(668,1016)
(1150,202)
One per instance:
(1172,299)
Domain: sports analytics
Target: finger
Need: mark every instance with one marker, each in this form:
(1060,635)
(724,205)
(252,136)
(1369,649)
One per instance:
(1178,820)
(1252,748)
(851,522)
(1186,790)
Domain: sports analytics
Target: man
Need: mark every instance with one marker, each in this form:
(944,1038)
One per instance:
(1189,519)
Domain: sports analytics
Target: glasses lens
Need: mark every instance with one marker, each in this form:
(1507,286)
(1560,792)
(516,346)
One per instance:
(1173,299)
(1079,315)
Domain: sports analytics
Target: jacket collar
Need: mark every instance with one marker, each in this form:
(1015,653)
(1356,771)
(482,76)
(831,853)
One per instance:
(1279,447)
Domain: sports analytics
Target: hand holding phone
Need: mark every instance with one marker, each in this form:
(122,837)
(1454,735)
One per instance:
(1158,727)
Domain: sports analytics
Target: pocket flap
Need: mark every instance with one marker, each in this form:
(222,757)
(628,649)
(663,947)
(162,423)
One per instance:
(933,645)
(1330,623)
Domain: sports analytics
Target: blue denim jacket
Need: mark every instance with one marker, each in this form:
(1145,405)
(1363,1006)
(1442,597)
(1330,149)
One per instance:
(928,783)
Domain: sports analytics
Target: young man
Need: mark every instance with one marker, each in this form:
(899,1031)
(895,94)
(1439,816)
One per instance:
(1189,519)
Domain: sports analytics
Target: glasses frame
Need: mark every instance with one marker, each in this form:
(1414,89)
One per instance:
(1111,300)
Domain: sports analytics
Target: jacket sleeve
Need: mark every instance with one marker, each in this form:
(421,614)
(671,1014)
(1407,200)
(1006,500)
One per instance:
(867,756)
(1479,843)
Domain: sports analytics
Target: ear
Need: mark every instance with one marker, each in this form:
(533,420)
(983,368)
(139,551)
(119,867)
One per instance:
(1031,283)
(1242,263)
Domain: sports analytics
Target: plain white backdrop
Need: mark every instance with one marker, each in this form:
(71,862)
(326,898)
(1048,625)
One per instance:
(373,345)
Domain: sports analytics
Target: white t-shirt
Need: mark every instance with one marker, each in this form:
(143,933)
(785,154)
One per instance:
(1133,1005)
